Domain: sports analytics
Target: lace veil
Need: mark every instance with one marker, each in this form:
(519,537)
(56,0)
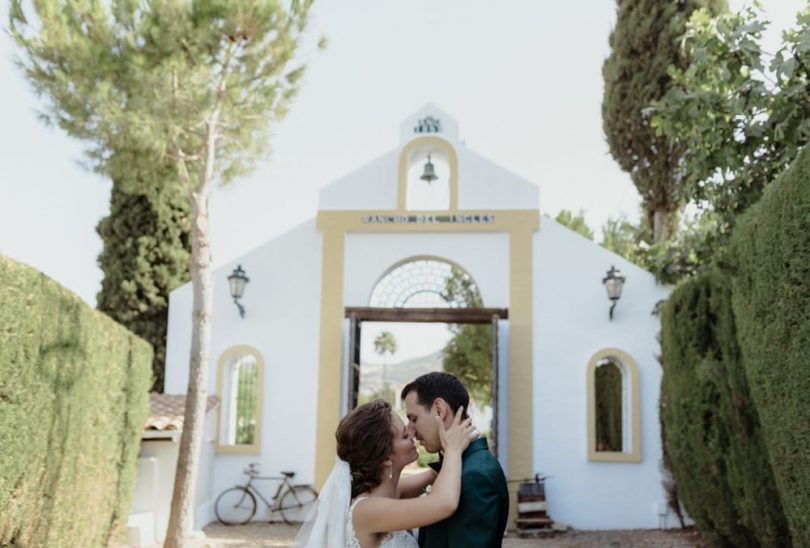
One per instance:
(326,523)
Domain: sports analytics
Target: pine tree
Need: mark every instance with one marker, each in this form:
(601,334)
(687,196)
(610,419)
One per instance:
(644,44)
(195,84)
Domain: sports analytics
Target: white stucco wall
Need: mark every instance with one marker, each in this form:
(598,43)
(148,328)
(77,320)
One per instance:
(164,455)
(368,187)
(282,302)
(483,184)
(571,325)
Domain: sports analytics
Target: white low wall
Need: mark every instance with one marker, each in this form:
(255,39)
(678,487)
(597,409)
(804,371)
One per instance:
(154,484)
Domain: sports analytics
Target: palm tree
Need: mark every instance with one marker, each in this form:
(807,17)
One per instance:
(385,343)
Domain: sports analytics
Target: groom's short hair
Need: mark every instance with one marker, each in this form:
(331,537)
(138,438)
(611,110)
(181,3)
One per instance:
(439,384)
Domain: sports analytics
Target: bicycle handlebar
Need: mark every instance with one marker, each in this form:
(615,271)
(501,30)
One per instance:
(253,471)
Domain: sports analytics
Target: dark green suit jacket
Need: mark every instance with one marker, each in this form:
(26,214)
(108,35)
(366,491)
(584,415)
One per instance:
(483,508)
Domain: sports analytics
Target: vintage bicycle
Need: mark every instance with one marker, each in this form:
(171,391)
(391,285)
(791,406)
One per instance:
(237,505)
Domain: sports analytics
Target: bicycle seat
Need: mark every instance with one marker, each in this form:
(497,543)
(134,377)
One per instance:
(289,474)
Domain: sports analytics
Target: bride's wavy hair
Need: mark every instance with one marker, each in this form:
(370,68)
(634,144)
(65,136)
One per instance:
(365,440)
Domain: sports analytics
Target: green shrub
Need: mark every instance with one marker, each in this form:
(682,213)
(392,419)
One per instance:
(425,458)
(771,299)
(73,401)
(711,427)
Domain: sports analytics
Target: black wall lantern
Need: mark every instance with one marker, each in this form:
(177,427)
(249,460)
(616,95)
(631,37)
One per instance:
(613,282)
(237,280)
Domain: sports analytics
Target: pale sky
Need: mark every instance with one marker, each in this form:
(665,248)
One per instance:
(523,78)
(414,340)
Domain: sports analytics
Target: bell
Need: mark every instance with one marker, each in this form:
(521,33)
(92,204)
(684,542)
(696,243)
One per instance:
(429,174)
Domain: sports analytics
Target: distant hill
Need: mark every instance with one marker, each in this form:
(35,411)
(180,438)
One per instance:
(399,373)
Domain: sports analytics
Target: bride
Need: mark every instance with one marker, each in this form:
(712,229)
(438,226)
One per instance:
(364,502)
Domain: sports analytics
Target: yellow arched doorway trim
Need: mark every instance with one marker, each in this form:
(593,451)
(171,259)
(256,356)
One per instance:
(521,226)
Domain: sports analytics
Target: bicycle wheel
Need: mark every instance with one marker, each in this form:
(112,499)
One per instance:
(296,503)
(235,506)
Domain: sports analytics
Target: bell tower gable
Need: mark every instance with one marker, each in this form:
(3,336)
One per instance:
(428,120)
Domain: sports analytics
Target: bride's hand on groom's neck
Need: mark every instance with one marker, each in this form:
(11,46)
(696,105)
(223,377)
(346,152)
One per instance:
(458,437)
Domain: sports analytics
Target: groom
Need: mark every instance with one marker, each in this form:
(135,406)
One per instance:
(483,508)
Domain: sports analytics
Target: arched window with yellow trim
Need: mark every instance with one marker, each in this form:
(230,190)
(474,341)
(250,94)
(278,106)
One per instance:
(614,416)
(240,374)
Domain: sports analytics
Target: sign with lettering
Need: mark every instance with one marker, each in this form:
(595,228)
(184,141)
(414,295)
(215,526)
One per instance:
(429,124)
(476,218)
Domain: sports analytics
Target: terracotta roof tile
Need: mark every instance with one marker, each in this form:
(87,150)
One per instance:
(166,411)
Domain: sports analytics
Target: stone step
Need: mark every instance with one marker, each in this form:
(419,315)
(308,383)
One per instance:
(537,506)
(533,522)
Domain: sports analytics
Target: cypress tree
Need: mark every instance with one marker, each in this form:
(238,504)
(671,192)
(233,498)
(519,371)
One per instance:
(644,44)
(146,254)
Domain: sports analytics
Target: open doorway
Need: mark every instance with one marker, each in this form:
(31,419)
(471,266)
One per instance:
(392,354)
(390,347)
(426,314)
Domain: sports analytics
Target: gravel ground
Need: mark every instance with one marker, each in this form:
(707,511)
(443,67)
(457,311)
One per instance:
(277,534)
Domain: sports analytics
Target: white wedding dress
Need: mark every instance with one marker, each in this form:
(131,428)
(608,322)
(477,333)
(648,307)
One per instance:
(397,539)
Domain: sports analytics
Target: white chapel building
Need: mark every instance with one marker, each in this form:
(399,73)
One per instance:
(542,290)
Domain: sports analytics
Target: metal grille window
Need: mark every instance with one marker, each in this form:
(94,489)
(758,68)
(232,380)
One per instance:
(245,374)
(426,283)
(239,385)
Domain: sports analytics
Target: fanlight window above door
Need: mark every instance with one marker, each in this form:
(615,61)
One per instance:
(426,283)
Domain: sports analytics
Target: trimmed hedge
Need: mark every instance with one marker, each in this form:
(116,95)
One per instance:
(711,428)
(771,300)
(73,401)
